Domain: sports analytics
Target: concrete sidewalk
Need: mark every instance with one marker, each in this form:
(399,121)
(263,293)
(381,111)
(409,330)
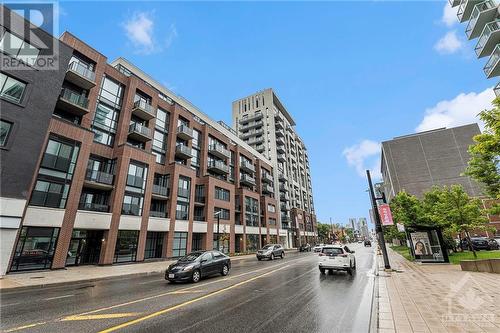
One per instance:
(436,298)
(45,278)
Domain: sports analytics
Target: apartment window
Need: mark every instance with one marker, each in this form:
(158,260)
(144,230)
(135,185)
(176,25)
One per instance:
(182,211)
(159,146)
(199,193)
(251,212)
(132,205)
(154,245)
(222,194)
(126,246)
(162,120)
(183,190)
(94,200)
(199,213)
(196,142)
(224,213)
(166,98)
(272,221)
(55,174)
(107,112)
(158,208)
(179,247)
(35,248)
(18,48)
(5,128)
(100,169)
(136,178)
(11,89)
(271,208)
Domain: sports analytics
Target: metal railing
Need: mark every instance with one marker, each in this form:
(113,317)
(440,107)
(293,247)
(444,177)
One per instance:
(485,35)
(492,62)
(93,207)
(153,213)
(82,70)
(161,190)
(99,177)
(144,106)
(218,165)
(219,149)
(183,129)
(141,129)
(183,149)
(74,98)
(478,9)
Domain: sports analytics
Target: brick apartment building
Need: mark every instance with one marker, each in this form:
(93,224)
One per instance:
(105,165)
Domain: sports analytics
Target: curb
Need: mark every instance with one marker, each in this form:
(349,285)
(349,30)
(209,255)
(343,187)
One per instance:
(374,313)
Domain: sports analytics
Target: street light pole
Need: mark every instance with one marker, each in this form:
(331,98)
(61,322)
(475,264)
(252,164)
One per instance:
(218,223)
(378,224)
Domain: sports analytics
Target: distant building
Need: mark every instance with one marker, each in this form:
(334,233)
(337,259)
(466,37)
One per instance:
(363,229)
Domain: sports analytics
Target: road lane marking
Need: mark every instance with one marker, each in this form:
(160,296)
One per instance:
(185,292)
(178,306)
(101,316)
(58,297)
(24,327)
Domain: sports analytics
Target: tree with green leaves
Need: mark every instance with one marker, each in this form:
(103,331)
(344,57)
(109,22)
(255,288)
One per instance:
(484,164)
(323,231)
(461,212)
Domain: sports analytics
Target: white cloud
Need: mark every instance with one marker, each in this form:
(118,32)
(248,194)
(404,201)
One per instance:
(461,110)
(172,34)
(364,155)
(139,30)
(450,43)
(449,17)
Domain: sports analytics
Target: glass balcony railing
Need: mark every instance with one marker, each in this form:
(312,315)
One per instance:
(161,190)
(153,213)
(221,166)
(74,98)
(99,177)
(184,131)
(247,179)
(497,89)
(140,129)
(219,150)
(487,31)
(476,12)
(93,207)
(492,62)
(247,165)
(82,70)
(145,108)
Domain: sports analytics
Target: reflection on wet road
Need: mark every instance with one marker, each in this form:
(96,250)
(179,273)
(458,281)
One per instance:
(287,295)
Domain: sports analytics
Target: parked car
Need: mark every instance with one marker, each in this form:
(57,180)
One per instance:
(368,242)
(478,243)
(199,264)
(493,243)
(334,257)
(305,248)
(271,251)
(318,248)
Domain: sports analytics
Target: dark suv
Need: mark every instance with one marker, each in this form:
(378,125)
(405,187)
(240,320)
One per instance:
(271,251)
(368,242)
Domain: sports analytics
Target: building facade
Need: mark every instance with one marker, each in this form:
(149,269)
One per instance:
(123,170)
(482,19)
(263,122)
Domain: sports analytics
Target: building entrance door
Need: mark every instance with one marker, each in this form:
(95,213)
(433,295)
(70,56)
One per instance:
(85,247)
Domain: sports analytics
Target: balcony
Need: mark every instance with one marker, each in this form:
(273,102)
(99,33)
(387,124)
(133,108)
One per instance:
(280,133)
(73,102)
(95,207)
(284,206)
(255,141)
(248,134)
(482,13)
(139,132)
(218,167)
(184,132)
(465,10)
(497,89)
(219,151)
(280,140)
(454,3)
(282,177)
(267,189)
(98,179)
(492,67)
(80,75)
(260,148)
(183,151)
(281,157)
(267,178)
(153,213)
(251,125)
(279,124)
(143,110)
(255,116)
(283,188)
(247,166)
(247,180)
(490,37)
(284,197)
(160,192)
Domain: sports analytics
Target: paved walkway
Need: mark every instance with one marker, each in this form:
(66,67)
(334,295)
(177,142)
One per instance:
(436,298)
(86,273)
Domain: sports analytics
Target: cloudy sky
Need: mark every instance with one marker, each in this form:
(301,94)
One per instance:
(352,74)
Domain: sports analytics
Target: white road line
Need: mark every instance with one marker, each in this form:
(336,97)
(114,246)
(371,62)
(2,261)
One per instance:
(58,297)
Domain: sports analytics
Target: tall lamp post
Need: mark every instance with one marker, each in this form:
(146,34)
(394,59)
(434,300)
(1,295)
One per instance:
(218,223)
(378,224)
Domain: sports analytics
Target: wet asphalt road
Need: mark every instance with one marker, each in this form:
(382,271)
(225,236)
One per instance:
(288,295)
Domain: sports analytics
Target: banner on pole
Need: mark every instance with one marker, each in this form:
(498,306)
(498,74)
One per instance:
(384,211)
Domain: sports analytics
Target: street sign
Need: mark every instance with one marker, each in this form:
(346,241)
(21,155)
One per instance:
(384,211)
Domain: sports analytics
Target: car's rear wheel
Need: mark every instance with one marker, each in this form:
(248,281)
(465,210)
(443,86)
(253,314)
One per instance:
(225,270)
(322,270)
(259,259)
(271,257)
(283,255)
(196,276)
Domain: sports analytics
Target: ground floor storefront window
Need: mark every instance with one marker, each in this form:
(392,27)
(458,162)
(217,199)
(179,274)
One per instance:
(223,243)
(252,243)
(35,248)
(197,244)
(238,243)
(154,245)
(180,244)
(274,239)
(126,246)
(84,247)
